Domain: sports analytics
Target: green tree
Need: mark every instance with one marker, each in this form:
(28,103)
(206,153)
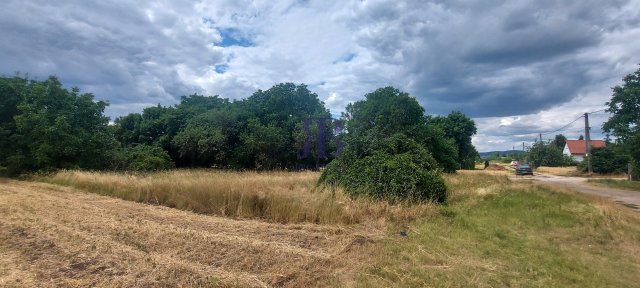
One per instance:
(460,128)
(560,141)
(545,154)
(58,128)
(624,122)
(384,157)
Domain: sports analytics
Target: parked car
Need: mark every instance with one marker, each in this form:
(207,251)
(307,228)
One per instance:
(524,169)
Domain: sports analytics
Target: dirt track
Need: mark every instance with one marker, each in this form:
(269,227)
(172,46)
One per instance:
(630,199)
(55,236)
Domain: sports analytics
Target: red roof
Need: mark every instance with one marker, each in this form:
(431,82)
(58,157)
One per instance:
(578,146)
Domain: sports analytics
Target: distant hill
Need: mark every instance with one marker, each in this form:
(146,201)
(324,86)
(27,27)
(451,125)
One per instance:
(502,153)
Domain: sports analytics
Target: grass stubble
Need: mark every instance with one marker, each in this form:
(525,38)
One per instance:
(277,229)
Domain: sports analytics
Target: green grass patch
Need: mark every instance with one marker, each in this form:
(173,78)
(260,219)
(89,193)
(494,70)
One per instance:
(618,184)
(515,236)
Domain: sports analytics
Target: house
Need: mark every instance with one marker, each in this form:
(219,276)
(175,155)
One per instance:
(577,149)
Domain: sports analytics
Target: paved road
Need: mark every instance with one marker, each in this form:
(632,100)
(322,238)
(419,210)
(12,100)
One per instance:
(628,198)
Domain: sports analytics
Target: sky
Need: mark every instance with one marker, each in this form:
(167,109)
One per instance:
(518,68)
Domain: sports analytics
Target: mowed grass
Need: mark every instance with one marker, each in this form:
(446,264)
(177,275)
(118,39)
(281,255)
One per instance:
(618,183)
(283,197)
(495,233)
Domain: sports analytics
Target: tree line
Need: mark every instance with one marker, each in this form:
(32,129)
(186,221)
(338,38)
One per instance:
(44,127)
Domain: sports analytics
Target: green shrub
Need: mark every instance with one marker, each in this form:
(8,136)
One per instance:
(141,158)
(606,160)
(395,169)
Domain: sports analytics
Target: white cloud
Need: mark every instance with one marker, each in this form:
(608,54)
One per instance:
(518,67)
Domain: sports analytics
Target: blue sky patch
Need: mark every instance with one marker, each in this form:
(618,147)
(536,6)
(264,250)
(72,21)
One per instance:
(221,68)
(233,37)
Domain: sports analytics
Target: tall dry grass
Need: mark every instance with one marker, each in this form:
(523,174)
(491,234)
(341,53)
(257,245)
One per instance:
(284,197)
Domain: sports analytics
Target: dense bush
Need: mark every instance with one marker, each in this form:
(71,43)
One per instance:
(141,158)
(386,155)
(400,169)
(605,160)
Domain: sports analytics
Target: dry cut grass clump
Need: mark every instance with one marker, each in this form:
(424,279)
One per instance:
(284,197)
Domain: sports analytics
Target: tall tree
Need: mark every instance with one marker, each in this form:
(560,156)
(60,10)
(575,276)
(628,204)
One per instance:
(59,128)
(560,141)
(624,122)
(460,128)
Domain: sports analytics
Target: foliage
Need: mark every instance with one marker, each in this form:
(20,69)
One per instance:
(394,169)
(624,122)
(607,159)
(547,154)
(560,141)
(387,150)
(624,107)
(460,128)
(141,157)
(260,132)
(48,127)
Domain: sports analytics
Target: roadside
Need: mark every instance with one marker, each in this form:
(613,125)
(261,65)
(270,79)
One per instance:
(627,198)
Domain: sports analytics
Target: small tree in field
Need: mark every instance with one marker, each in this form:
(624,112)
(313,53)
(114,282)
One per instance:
(383,157)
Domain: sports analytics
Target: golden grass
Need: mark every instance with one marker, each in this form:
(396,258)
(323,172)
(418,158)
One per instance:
(558,171)
(54,236)
(493,232)
(284,197)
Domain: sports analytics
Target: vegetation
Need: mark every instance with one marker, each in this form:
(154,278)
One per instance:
(560,240)
(284,197)
(617,183)
(480,237)
(386,156)
(547,154)
(460,128)
(46,127)
(560,141)
(607,160)
(624,122)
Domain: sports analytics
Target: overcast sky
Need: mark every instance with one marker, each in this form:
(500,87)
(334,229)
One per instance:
(516,67)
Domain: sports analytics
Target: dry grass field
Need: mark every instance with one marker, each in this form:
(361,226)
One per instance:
(558,171)
(283,197)
(492,232)
(57,236)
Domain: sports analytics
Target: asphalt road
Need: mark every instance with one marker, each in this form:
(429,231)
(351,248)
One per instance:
(627,198)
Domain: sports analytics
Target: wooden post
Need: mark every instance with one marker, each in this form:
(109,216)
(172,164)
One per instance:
(587,142)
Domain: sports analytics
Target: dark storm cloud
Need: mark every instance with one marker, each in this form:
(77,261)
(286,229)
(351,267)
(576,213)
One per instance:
(520,54)
(122,53)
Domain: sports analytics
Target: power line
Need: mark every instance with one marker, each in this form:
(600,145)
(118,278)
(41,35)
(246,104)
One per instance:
(601,110)
(563,127)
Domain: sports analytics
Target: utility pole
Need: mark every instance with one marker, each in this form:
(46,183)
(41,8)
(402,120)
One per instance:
(540,137)
(587,141)
(522,146)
